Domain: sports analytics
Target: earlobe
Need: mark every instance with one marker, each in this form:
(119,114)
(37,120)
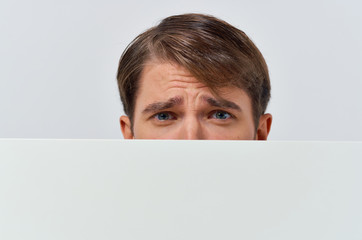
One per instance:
(126,127)
(263,130)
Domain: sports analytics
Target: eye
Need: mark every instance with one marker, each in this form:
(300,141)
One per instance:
(164,116)
(222,115)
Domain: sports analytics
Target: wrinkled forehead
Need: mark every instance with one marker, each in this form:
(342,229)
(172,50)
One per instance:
(164,75)
(162,81)
(167,71)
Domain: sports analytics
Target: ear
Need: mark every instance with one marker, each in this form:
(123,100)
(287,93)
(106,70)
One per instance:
(126,127)
(263,130)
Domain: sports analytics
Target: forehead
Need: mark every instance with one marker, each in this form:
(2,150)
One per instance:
(164,73)
(162,80)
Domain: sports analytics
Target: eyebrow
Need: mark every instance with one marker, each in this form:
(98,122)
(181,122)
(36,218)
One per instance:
(221,103)
(159,106)
(163,105)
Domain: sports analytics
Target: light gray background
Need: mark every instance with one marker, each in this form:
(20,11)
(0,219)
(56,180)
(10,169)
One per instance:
(58,62)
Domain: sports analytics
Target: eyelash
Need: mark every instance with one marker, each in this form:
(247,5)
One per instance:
(169,113)
(222,111)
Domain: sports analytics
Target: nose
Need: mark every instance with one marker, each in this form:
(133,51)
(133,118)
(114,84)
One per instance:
(191,129)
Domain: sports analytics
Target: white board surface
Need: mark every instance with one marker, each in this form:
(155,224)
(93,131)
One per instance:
(112,189)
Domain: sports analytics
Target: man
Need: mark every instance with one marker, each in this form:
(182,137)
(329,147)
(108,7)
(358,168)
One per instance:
(194,76)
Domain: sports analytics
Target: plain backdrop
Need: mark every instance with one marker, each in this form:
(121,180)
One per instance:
(58,63)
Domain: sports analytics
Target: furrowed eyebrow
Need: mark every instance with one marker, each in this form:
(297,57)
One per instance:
(159,106)
(222,103)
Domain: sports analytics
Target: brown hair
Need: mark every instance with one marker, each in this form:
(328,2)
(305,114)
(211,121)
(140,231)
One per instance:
(213,51)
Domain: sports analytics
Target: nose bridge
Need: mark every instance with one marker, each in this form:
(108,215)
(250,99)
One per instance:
(191,128)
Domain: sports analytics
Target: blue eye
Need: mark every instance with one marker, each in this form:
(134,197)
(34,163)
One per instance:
(164,116)
(221,115)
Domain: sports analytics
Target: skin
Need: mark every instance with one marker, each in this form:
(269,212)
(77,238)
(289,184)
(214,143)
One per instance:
(172,104)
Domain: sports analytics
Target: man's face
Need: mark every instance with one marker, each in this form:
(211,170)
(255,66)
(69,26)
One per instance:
(172,104)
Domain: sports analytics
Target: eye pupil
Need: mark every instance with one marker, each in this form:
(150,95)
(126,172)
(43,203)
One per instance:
(221,115)
(163,116)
